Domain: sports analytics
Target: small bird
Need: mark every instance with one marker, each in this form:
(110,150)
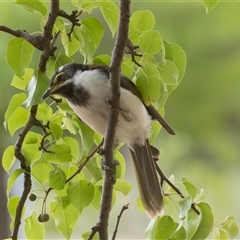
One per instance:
(87,89)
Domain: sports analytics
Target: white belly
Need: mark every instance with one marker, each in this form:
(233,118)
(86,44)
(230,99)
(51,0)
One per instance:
(135,129)
(134,121)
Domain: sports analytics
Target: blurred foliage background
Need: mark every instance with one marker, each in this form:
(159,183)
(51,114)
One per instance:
(204,110)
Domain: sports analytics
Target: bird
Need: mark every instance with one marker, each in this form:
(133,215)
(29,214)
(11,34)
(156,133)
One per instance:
(87,90)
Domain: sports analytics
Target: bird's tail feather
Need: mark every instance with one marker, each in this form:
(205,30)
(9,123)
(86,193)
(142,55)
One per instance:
(147,179)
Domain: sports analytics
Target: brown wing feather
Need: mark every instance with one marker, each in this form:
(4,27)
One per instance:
(129,85)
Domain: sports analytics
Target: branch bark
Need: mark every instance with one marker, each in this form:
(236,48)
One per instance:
(43,43)
(27,172)
(115,66)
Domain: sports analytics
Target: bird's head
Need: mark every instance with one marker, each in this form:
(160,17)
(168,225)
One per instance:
(63,79)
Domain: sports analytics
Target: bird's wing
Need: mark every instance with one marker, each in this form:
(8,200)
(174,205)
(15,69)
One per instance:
(126,83)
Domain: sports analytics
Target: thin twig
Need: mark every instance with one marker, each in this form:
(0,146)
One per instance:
(47,35)
(130,49)
(125,207)
(164,178)
(85,162)
(73,18)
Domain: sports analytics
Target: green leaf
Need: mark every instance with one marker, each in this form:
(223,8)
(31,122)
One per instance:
(31,153)
(32,138)
(232,228)
(35,89)
(94,170)
(145,86)
(169,72)
(12,207)
(192,223)
(127,67)
(40,171)
(21,83)
(180,234)
(14,103)
(206,222)
(71,170)
(121,167)
(140,205)
(33,229)
(184,206)
(91,31)
(190,188)
(57,179)
(148,83)
(33,6)
(71,47)
(220,234)
(86,5)
(19,55)
(142,21)
(87,137)
(160,228)
(200,197)
(150,42)
(12,178)
(65,215)
(210,4)
(180,61)
(8,158)
(18,119)
(102,59)
(69,125)
(74,145)
(216,234)
(80,194)
(30,148)
(56,130)
(61,153)
(110,13)
(122,186)
(167,52)
(44,112)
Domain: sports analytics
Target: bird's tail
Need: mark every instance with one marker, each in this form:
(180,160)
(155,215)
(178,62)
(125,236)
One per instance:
(147,179)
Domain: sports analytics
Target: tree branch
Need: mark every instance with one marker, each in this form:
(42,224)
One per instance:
(27,171)
(117,56)
(43,43)
(47,34)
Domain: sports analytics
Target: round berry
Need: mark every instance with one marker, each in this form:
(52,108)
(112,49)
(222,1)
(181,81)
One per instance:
(32,197)
(40,218)
(45,217)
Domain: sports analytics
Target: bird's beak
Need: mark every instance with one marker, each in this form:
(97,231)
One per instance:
(49,92)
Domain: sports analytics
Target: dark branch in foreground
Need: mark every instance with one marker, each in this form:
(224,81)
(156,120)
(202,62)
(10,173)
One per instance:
(27,171)
(43,43)
(114,69)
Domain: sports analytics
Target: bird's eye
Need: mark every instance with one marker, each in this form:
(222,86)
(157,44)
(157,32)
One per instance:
(61,77)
